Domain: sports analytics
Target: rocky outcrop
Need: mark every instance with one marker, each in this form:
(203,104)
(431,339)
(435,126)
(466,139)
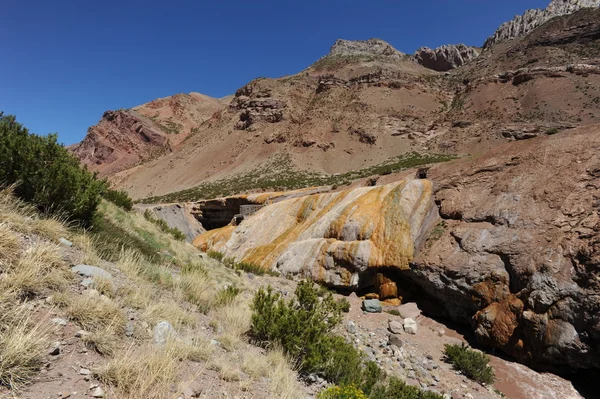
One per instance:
(521,25)
(256,105)
(371,47)
(342,239)
(119,141)
(446,57)
(178,216)
(518,255)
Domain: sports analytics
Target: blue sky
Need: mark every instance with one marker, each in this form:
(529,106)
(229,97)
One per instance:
(65,62)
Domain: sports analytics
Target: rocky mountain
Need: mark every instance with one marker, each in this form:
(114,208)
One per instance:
(522,25)
(446,57)
(125,138)
(371,47)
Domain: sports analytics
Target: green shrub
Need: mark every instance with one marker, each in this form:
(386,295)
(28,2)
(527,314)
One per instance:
(227,295)
(46,174)
(215,255)
(471,363)
(552,131)
(395,388)
(393,312)
(163,226)
(372,375)
(344,305)
(343,392)
(119,198)
(302,328)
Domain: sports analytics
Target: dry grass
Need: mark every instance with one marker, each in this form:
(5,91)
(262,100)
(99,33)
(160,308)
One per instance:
(104,286)
(228,371)
(9,246)
(255,364)
(283,380)
(93,313)
(199,289)
(39,269)
(23,344)
(143,372)
(234,320)
(104,341)
(196,349)
(169,310)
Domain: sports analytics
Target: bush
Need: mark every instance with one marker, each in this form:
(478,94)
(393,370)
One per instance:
(471,363)
(344,305)
(119,198)
(215,255)
(395,388)
(343,392)
(46,174)
(302,328)
(164,227)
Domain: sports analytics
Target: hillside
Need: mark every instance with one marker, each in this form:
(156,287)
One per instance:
(125,138)
(365,103)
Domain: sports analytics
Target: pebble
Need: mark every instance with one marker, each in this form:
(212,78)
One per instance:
(351,327)
(59,321)
(55,350)
(66,243)
(395,326)
(83,371)
(81,333)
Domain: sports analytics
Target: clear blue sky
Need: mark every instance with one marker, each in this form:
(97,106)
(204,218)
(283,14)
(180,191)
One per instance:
(65,62)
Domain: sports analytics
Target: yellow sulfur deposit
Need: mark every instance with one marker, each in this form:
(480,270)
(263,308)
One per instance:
(332,237)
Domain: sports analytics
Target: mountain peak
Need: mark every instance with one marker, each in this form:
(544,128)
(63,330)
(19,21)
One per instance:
(521,25)
(372,47)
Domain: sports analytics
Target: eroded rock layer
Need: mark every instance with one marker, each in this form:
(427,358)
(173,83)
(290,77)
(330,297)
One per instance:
(333,238)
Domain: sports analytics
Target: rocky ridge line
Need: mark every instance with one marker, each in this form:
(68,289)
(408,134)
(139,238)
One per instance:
(521,25)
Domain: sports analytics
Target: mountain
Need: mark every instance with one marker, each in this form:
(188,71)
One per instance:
(521,25)
(445,58)
(125,138)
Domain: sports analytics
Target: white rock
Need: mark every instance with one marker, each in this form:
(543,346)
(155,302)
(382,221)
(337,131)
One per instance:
(98,392)
(410,326)
(162,331)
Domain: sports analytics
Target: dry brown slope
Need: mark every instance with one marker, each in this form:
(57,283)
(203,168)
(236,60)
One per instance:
(125,138)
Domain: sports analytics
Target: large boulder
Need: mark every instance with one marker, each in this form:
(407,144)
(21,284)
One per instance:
(518,255)
(341,239)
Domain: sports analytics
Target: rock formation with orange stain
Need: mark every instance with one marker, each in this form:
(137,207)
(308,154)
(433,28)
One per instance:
(335,238)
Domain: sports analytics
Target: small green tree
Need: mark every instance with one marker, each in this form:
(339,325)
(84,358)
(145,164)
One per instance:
(471,363)
(46,174)
(119,198)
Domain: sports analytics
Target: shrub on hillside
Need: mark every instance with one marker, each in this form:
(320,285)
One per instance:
(394,388)
(471,363)
(119,198)
(302,327)
(46,174)
(343,392)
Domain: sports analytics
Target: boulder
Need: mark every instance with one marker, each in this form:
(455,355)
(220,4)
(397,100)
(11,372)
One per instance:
(395,326)
(372,306)
(410,310)
(162,332)
(410,326)
(394,340)
(91,271)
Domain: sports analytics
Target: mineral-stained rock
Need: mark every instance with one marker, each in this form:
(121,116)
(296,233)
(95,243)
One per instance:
(446,57)
(519,259)
(340,238)
(521,25)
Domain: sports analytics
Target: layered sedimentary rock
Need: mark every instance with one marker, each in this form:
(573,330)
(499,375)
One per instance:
(178,216)
(446,57)
(521,25)
(518,256)
(335,238)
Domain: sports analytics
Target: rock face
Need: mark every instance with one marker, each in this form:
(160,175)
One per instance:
(177,216)
(521,25)
(125,138)
(342,239)
(518,255)
(371,47)
(445,58)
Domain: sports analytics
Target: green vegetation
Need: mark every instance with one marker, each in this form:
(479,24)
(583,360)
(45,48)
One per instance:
(278,175)
(345,392)
(552,131)
(46,174)
(393,312)
(344,305)
(175,232)
(119,198)
(471,363)
(395,388)
(216,255)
